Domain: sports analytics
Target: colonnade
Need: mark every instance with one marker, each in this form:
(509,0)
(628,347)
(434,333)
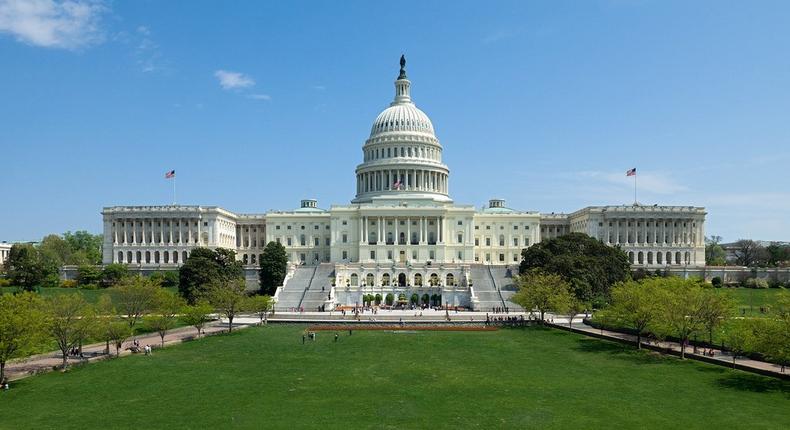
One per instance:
(653,232)
(425,233)
(156,231)
(403,179)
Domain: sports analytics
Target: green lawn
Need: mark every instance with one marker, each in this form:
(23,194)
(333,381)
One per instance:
(749,300)
(266,378)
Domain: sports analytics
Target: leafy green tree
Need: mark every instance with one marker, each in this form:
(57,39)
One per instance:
(575,307)
(135,296)
(23,324)
(204,267)
(681,309)
(24,267)
(166,308)
(70,319)
(778,255)
(750,253)
(118,332)
(715,310)
(274,266)
(86,248)
(261,306)
(197,315)
(88,275)
(55,251)
(168,278)
(106,314)
(714,252)
(589,266)
(738,335)
(635,305)
(542,291)
(229,298)
(113,273)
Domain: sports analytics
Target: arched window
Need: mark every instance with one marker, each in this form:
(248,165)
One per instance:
(369,280)
(389,238)
(244,259)
(631,257)
(129,257)
(156,257)
(120,256)
(450,279)
(434,280)
(418,280)
(677,257)
(354,279)
(167,257)
(641,257)
(669,258)
(385,279)
(402,279)
(649,257)
(147,257)
(252,258)
(184,256)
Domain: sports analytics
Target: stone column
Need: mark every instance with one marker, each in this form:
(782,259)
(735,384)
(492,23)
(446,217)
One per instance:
(408,231)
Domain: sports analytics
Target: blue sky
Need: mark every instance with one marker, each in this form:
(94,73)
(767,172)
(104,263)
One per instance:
(256,105)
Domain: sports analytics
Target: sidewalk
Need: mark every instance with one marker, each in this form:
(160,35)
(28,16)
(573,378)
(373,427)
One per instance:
(721,358)
(21,368)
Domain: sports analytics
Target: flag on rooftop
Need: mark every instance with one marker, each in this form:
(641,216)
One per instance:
(170,175)
(631,172)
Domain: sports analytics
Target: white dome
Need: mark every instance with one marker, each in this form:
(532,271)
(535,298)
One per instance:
(402,117)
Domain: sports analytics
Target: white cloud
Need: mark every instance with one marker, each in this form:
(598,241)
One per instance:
(69,24)
(259,96)
(233,80)
(319,87)
(653,182)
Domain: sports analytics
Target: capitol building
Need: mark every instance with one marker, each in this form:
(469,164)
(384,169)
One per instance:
(402,234)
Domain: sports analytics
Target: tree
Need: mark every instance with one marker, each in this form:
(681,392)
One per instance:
(204,267)
(749,253)
(88,275)
(228,298)
(589,266)
(197,315)
(167,279)
(113,273)
(69,322)
(136,296)
(575,307)
(681,312)
(739,337)
(86,248)
(274,266)
(105,315)
(23,324)
(715,310)
(542,291)
(24,267)
(778,255)
(118,332)
(714,252)
(261,306)
(167,306)
(635,305)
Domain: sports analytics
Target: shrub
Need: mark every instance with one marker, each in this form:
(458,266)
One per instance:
(4,283)
(389,299)
(168,279)
(414,299)
(716,281)
(68,283)
(51,281)
(377,299)
(756,283)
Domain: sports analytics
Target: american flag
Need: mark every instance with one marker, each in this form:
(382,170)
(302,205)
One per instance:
(631,172)
(170,175)
(396,185)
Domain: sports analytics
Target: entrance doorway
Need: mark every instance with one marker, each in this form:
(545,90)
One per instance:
(402,280)
(402,256)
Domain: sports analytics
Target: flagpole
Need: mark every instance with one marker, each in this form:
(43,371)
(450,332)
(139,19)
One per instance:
(174,190)
(634,188)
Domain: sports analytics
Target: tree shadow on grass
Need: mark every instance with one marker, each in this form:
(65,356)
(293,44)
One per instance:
(755,383)
(619,351)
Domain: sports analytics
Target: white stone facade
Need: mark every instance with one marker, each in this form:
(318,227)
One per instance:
(402,221)
(5,250)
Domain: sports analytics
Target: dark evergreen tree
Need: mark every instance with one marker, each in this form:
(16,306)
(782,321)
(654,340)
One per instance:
(205,267)
(274,266)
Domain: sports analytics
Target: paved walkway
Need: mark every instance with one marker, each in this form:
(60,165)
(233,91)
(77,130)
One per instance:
(18,369)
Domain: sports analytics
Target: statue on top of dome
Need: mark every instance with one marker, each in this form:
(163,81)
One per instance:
(402,74)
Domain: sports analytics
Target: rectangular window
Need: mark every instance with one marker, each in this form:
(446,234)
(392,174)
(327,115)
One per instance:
(345,238)
(488,257)
(389,255)
(502,258)
(345,255)
(327,241)
(460,255)
(316,241)
(431,255)
(477,241)
(460,238)
(477,257)
(515,241)
(515,257)
(460,223)
(345,222)
(488,241)
(372,255)
(289,241)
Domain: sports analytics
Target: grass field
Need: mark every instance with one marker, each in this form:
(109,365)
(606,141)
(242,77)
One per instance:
(749,300)
(517,378)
